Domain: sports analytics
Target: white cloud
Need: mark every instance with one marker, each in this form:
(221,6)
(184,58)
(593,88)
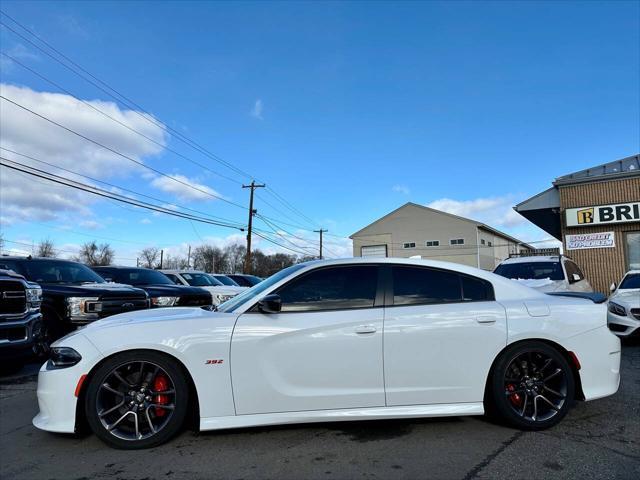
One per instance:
(23,197)
(401,189)
(256,111)
(182,190)
(494,211)
(20,53)
(91,224)
(145,221)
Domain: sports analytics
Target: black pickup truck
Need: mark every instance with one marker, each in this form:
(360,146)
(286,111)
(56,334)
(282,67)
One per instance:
(20,320)
(162,291)
(73,294)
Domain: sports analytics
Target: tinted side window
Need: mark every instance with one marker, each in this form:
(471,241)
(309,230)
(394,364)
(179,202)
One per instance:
(571,269)
(418,285)
(476,290)
(333,288)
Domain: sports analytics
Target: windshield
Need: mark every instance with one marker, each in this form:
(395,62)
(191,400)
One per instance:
(225,280)
(231,305)
(138,276)
(531,270)
(56,271)
(200,280)
(630,281)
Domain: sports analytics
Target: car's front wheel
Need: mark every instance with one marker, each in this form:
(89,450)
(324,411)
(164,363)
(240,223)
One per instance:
(532,386)
(137,400)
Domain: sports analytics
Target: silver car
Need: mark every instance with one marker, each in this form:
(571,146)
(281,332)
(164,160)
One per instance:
(555,273)
(623,312)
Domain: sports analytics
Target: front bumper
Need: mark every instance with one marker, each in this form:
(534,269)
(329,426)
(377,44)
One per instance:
(622,326)
(598,352)
(20,338)
(56,388)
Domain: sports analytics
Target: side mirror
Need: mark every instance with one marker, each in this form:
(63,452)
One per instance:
(576,277)
(270,304)
(612,287)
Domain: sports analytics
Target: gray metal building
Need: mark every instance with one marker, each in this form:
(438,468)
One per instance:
(414,230)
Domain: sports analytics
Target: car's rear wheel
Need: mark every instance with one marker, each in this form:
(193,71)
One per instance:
(137,400)
(532,386)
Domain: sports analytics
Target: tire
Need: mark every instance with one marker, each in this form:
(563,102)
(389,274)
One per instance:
(532,386)
(144,419)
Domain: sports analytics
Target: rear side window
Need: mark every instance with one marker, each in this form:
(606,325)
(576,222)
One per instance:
(476,290)
(417,285)
(334,288)
(572,268)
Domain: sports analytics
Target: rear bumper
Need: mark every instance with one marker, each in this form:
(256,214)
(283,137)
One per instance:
(598,352)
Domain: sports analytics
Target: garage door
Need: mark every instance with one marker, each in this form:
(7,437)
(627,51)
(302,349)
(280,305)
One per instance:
(374,251)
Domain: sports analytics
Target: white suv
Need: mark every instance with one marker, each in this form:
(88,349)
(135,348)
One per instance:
(547,274)
(623,315)
(220,293)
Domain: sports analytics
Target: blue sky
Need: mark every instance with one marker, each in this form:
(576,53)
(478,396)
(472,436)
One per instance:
(348,110)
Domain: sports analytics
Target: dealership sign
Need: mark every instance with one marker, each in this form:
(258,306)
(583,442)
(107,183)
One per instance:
(603,214)
(591,240)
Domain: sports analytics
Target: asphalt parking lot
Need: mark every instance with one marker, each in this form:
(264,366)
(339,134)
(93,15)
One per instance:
(599,439)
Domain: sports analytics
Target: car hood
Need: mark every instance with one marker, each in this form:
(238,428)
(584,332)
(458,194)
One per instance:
(173,314)
(225,289)
(629,298)
(103,290)
(172,290)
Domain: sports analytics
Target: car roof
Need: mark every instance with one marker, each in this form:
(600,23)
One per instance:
(531,259)
(180,271)
(121,267)
(36,259)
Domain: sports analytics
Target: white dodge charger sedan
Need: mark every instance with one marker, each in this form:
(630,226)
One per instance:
(352,339)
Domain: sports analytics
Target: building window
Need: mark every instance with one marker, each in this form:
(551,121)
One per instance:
(482,242)
(489,243)
(456,241)
(409,245)
(432,243)
(632,249)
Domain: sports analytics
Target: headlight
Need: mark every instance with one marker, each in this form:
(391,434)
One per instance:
(617,309)
(88,307)
(62,357)
(34,297)
(164,301)
(221,297)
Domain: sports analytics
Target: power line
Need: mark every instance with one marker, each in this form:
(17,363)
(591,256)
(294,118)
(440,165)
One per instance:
(128,102)
(279,244)
(285,238)
(122,188)
(131,159)
(56,249)
(101,112)
(103,193)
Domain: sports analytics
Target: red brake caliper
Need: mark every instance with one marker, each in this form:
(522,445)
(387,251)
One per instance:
(515,398)
(160,384)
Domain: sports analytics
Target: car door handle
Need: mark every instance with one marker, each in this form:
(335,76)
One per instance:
(365,329)
(485,319)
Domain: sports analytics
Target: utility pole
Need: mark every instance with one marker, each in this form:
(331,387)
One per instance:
(252,212)
(321,231)
(161,258)
(189,258)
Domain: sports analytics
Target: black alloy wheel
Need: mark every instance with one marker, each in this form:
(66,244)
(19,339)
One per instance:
(533,386)
(137,400)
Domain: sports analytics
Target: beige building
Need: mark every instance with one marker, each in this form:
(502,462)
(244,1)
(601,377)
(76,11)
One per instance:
(413,230)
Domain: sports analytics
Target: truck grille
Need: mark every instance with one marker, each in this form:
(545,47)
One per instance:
(635,312)
(13,298)
(113,306)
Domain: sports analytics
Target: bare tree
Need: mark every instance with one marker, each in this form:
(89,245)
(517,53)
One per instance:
(46,249)
(94,255)
(210,259)
(236,255)
(175,262)
(149,257)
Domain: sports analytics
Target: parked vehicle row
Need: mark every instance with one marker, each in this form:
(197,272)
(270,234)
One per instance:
(334,341)
(73,294)
(624,305)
